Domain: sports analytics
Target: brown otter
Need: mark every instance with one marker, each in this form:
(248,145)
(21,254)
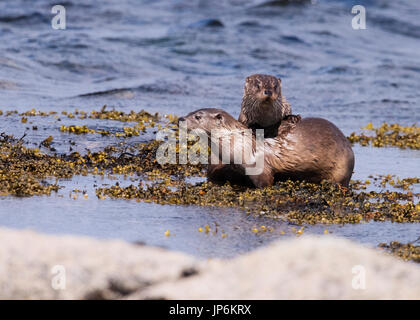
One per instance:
(312,149)
(263,105)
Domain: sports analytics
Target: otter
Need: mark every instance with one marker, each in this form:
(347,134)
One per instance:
(312,149)
(263,105)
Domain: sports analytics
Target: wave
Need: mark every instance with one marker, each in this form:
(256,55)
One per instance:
(33,18)
(396,26)
(160,88)
(281,3)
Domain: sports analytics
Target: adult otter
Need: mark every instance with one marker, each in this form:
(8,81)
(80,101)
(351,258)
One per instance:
(312,149)
(263,105)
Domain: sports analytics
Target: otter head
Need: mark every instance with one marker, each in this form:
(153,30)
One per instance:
(209,119)
(263,88)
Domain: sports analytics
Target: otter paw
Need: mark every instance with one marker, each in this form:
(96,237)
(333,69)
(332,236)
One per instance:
(292,118)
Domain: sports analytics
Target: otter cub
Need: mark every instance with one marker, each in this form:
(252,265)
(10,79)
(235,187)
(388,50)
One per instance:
(263,105)
(313,149)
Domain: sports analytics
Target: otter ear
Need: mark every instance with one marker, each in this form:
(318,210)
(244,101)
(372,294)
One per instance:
(279,80)
(247,79)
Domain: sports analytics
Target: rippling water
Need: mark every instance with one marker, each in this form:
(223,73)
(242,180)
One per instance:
(177,56)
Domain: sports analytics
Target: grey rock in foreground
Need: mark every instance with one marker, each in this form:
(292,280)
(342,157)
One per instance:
(32,264)
(306,268)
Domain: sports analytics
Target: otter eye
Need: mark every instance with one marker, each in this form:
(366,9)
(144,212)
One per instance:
(275,87)
(258,86)
(219,116)
(197,117)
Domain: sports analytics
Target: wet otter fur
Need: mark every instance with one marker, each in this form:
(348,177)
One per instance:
(312,149)
(263,105)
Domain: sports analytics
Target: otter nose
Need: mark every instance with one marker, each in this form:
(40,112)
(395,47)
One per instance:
(180,119)
(268,93)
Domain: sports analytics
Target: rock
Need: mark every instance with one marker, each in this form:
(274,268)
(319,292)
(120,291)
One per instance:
(93,269)
(306,268)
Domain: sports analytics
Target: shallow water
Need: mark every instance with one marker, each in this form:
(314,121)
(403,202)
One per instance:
(177,56)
